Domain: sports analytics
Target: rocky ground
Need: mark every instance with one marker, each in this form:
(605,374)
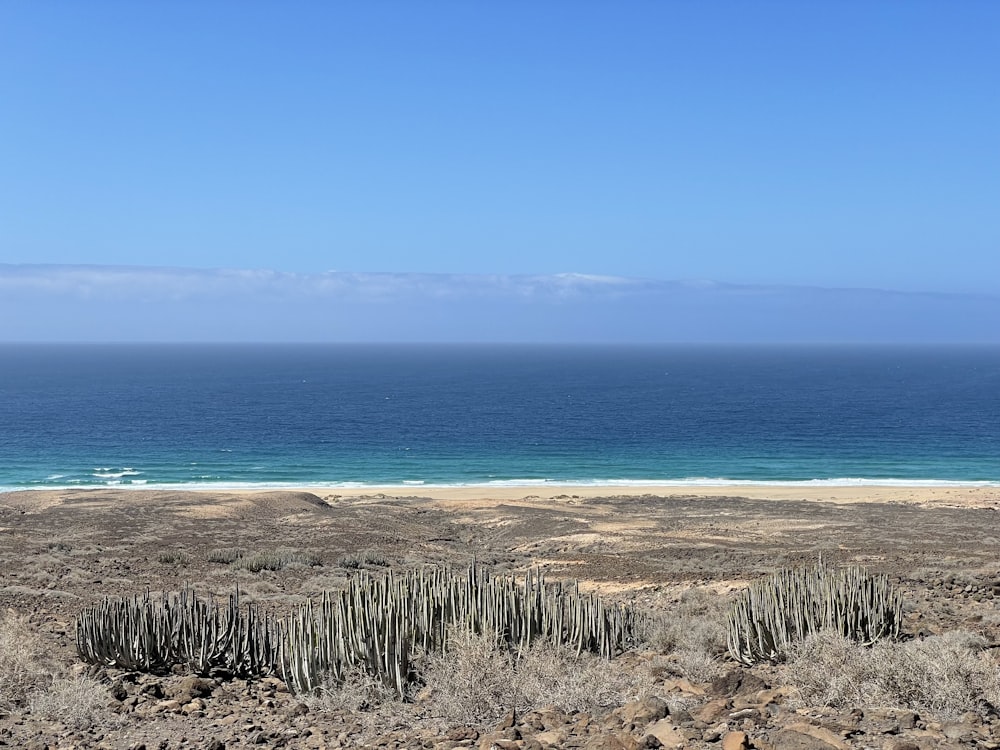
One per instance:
(62,551)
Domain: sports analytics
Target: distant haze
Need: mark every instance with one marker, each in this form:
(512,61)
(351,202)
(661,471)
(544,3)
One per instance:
(123,303)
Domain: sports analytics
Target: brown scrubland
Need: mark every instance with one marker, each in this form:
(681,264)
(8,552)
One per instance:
(677,557)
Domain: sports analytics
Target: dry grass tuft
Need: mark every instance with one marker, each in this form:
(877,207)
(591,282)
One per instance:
(693,631)
(359,692)
(225,555)
(478,680)
(696,621)
(943,675)
(363,558)
(31,681)
(172,557)
(75,702)
(24,669)
(279,559)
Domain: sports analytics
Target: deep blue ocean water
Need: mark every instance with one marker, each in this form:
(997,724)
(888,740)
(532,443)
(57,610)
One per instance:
(245,415)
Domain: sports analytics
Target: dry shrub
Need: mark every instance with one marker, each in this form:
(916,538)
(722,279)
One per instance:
(23,666)
(696,620)
(474,682)
(74,702)
(30,680)
(479,680)
(693,630)
(944,675)
(697,664)
(549,675)
(360,693)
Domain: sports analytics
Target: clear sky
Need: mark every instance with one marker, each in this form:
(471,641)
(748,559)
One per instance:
(826,143)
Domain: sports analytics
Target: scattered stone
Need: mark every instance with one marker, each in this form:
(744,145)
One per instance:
(888,721)
(820,733)
(189,688)
(152,688)
(462,733)
(734,682)
(643,712)
(508,721)
(619,741)
(681,685)
(668,735)
(118,690)
(736,741)
(789,739)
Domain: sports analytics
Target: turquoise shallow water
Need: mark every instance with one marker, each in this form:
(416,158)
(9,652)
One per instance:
(271,415)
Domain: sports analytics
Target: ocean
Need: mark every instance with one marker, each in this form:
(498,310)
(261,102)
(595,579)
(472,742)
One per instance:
(353,415)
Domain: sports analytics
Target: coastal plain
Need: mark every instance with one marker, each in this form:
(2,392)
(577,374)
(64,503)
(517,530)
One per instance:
(63,550)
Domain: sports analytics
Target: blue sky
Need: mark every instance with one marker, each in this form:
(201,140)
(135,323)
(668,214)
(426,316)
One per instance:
(832,144)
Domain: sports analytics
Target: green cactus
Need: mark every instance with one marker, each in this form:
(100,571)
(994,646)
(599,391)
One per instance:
(379,622)
(152,635)
(789,605)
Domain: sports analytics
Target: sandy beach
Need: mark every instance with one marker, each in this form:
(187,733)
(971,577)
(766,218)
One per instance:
(957,495)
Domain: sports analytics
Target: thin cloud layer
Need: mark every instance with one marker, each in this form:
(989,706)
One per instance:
(129,303)
(88,282)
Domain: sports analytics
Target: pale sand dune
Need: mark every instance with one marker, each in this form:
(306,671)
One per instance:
(961,496)
(230,500)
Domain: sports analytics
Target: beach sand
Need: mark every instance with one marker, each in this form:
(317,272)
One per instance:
(971,496)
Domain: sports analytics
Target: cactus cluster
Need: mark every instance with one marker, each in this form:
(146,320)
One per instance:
(379,622)
(148,634)
(789,605)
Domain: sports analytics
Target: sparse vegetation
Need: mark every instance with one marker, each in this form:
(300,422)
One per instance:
(691,629)
(225,555)
(75,702)
(171,557)
(24,669)
(30,681)
(362,559)
(945,675)
(480,679)
(462,694)
(696,619)
(279,559)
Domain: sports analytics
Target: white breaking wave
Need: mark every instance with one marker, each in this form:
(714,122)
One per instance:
(520,482)
(110,474)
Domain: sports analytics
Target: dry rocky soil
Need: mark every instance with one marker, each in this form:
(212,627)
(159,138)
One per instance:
(63,551)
